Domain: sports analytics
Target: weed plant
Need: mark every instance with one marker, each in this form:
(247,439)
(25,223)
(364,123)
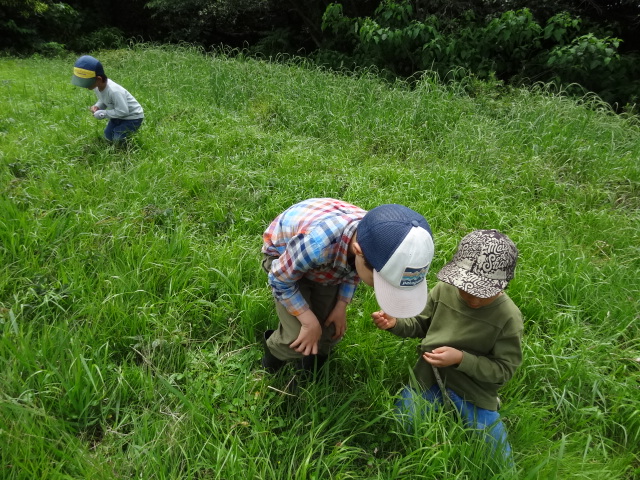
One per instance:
(131,294)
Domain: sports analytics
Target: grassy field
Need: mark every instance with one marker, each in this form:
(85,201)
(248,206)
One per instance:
(131,295)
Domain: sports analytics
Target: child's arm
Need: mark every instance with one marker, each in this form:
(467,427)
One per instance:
(497,367)
(303,253)
(414,327)
(338,317)
(310,333)
(299,257)
(383,321)
(120,105)
(443,356)
(99,106)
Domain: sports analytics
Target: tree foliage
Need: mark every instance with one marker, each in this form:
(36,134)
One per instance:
(18,22)
(50,27)
(205,21)
(513,47)
(591,42)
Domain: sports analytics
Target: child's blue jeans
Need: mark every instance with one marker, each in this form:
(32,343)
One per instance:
(118,129)
(412,403)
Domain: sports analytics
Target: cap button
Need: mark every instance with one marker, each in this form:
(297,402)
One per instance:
(415,223)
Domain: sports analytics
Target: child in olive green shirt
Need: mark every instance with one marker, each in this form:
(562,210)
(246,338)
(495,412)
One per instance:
(471,335)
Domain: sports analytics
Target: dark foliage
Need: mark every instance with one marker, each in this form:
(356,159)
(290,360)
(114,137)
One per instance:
(593,42)
(512,47)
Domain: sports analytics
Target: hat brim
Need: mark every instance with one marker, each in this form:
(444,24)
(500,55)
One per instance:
(476,285)
(83,82)
(400,302)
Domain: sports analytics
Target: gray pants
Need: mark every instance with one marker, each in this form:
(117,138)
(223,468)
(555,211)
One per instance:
(321,299)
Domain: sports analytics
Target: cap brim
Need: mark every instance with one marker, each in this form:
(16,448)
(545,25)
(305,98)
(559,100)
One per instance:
(83,82)
(400,302)
(470,282)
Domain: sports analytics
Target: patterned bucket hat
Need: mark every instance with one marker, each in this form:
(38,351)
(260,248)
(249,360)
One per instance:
(483,265)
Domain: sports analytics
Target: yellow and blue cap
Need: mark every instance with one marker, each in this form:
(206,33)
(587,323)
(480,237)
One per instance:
(85,71)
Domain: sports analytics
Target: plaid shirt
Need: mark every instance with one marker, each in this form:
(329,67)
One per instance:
(311,240)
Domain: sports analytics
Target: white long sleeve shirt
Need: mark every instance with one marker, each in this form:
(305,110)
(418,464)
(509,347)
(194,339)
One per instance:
(117,102)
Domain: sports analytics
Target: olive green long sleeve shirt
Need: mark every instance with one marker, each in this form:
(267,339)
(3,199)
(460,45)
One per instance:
(490,338)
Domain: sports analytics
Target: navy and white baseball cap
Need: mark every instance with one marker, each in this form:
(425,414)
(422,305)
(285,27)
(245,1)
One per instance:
(397,242)
(85,71)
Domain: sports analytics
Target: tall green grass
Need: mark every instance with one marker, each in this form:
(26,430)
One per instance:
(131,295)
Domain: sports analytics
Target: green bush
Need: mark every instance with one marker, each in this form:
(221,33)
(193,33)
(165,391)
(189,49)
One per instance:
(37,26)
(514,47)
(103,38)
(52,49)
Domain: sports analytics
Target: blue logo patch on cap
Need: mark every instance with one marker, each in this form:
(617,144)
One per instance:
(413,276)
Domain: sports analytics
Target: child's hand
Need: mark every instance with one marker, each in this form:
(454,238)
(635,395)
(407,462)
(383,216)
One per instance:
(93,109)
(443,356)
(310,333)
(383,321)
(338,317)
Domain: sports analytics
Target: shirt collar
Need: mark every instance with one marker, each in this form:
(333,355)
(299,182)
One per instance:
(341,261)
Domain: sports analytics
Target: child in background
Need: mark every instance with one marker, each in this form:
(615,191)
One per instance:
(471,337)
(315,254)
(114,102)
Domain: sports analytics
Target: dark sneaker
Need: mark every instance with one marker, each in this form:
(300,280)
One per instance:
(270,362)
(311,364)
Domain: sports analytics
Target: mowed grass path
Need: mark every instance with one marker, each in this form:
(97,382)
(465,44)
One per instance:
(131,295)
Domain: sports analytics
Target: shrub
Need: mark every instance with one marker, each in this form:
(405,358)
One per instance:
(513,47)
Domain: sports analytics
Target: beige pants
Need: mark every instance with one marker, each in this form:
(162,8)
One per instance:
(321,299)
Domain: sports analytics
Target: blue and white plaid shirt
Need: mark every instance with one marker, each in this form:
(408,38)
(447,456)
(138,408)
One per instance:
(311,240)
